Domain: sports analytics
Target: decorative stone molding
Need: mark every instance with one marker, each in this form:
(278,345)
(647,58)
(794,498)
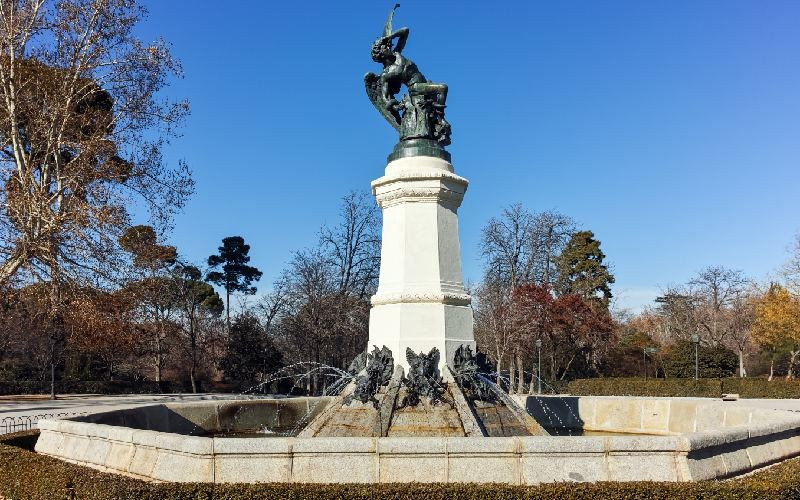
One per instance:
(415,185)
(419,175)
(419,194)
(446,298)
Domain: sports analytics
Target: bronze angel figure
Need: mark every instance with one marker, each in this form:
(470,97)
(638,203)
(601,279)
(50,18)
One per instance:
(420,113)
(423,378)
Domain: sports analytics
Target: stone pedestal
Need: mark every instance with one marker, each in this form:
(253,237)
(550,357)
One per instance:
(421,302)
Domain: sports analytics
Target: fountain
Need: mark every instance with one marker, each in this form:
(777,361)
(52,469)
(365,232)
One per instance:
(421,406)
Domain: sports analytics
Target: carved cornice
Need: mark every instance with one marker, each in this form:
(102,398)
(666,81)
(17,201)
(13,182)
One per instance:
(420,175)
(418,194)
(447,298)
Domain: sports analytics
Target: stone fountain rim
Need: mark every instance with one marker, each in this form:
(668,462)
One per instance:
(166,456)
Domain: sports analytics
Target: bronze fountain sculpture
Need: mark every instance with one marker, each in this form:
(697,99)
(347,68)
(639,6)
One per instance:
(419,115)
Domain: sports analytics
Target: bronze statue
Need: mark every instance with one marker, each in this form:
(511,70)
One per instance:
(471,373)
(423,380)
(420,113)
(379,368)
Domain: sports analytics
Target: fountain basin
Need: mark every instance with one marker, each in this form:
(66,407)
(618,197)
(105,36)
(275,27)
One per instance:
(671,439)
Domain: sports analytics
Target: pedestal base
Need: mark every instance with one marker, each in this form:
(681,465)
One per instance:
(421,302)
(421,326)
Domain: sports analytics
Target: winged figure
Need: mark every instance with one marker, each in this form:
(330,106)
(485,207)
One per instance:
(379,368)
(423,377)
(419,114)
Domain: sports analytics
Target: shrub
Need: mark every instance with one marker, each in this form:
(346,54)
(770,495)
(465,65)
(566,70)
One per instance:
(90,387)
(712,361)
(675,387)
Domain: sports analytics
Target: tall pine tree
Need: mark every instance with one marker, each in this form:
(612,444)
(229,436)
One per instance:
(235,275)
(581,270)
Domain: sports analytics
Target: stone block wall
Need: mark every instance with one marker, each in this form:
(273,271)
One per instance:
(691,441)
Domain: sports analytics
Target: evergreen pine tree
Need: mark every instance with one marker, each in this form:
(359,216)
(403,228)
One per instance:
(581,270)
(236,275)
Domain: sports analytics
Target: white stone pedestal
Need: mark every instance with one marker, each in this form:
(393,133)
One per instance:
(421,302)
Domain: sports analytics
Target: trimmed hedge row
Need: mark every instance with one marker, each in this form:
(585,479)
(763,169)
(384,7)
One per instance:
(674,387)
(24,474)
(14,387)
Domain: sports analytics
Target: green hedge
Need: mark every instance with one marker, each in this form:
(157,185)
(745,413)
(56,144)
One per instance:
(709,387)
(26,475)
(14,387)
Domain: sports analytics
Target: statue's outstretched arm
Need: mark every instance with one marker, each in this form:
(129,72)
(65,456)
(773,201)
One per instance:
(402,36)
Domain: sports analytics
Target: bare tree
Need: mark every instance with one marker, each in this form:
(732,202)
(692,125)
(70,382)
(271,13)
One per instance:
(715,289)
(197,302)
(519,248)
(740,317)
(506,246)
(81,132)
(318,310)
(677,309)
(310,329)
(791,269)
(150,284)
(550,232)
(493,322)
(272,306)
(353,245)
(82,126)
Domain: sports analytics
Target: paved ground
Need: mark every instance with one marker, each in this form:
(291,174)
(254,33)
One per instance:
(773,404)
(35,405)
(770,404)
(32,405)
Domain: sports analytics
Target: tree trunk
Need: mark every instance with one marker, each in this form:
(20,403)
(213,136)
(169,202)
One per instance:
(547,258)
(228,309)
(534,377)
(158,364)
(742,370)
(499,372)
(52,378)
(158,360)
(566,368)
(520,375)
(192,371)
(792,361)
(512,371)
(55,319)
(10,267)
(771,369)
(499,369)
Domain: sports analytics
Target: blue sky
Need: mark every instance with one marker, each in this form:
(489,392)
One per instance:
(670,129)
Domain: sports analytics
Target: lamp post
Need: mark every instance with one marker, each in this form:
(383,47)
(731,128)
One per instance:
(696,342)
(539,367)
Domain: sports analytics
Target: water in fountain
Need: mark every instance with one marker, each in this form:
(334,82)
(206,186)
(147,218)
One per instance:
(421,404)
(548,417)
(299,373)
